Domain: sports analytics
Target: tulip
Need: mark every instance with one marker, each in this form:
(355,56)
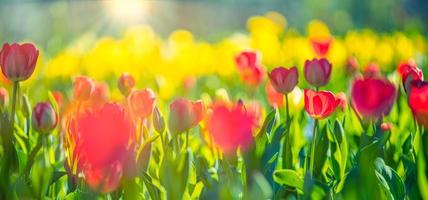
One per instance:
(126,83)
(247,59)
(275,99)
(386,126)
(320,105)
(158,121)
(317,72)
(4,99)
(284,80)
(409,72)
(100,94)
(372,70)
(351,65)
(404,66)
(184,115)
(321,47)
(250,68)
(44,117)
(18,61)
(103,137)
(372,98)
(142,102)
(83,88)
(418,102)
(230,127)
(341,97)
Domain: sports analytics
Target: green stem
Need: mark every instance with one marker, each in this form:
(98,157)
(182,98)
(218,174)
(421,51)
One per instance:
(187,139)
(15,94)
(287,108)
(311,166)
(32,157)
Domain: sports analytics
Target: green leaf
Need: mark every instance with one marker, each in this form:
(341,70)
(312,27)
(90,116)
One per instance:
(390,180)
(288,177)
(154,191)
(53,102)
(197,190)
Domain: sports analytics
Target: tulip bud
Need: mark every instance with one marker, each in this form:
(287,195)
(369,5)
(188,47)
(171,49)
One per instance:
(45,118)
(341,97)
(351,65)
(126,83)
(184,114)
(409,72)
(18,61)
(83,88)
(372,70)
(26,106)
(386,126)
(142,102)
(4,99)
(158,121)
(317,72)
(284,80)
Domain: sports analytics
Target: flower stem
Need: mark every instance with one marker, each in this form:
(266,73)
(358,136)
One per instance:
(287,108)
(32,157)
(314,137)
(14,97)
(187,139)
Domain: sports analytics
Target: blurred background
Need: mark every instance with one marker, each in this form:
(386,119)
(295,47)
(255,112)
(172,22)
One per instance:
(54,24)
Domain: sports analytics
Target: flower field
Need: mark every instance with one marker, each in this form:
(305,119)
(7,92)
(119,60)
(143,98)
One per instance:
(270,113)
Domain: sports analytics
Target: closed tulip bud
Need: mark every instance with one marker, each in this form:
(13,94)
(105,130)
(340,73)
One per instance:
(320,105)
(284,80)
(45,118)
(142,102)
(184,114)
(18,61)
(4,99)
(385,126)
(126,83)
(372,98)
(83,88)
(341,97)
(26,106)
(317,72)
(158,121)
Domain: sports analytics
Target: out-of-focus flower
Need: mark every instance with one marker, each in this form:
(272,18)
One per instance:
(4,98)
(372,97)
(142,102)
(45,118)
(320,37)
(372,70)
(59,98)
(100,94)
(18,61)
(250,68)
(275,98)
(386,126)
(184,114)
(409,72)
(317,72)
(83,88)
(341,97)
(102,136)
(351,65)
(158,121)
(230,127)
(320,105)
(321,47)
(126,83)
(284,80)
(418,101)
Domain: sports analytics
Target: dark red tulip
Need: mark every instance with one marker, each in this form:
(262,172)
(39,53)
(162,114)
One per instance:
(418,101)
(231,127)
(184,114)
(44,117)
(372,97)
(317,72)
(284,80)
(320,105)
(18,61)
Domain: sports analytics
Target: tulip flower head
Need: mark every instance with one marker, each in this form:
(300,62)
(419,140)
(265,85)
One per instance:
(284,80)
(44,117)
(321,47)
(158,121)
(4,99)
(317,72)
(409,72)
(18,61)
(386,126)
(275,98)
(142,102)
(320,105)
(83,88)
(250,68)
(372,70)
(341,97)
(372,98)
(126,83)
(184,114)
(231,127)
(351,65)
(418,102)
(100,94)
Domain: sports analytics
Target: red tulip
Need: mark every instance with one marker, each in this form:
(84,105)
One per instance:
(321,47)
(44,117)
(250,68)
(341,97)
(320,105)
(418,102)
(4,99)
(284,80)
(83,88)
(18,61)
(184,115)
(102,137)
(317,72)
(385,126)
(404,66)
(230,127)
(409,72)
(126,83)
(275,98)
(142,102)
(372,97)
(372,70)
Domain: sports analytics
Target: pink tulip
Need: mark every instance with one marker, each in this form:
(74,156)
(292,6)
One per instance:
(317,72)
(83,88)
(184,114)
(142,102)
(44,117)
(18,61)
(284,80)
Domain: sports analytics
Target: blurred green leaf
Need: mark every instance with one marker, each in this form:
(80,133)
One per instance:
(389,180)
(288,177)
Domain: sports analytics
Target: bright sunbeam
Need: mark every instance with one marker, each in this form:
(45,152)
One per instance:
(126,10)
